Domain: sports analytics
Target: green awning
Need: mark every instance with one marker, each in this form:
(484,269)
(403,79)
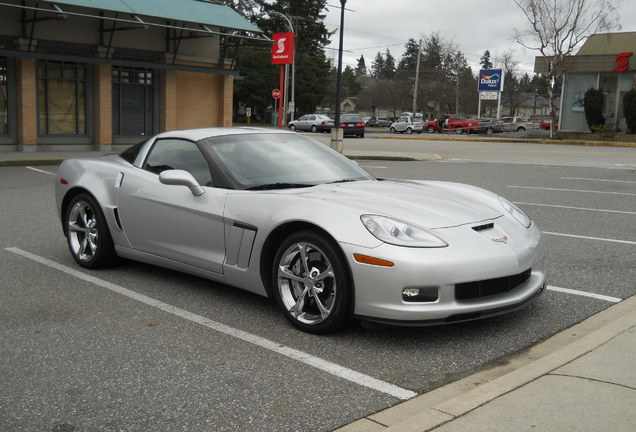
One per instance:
(194,15)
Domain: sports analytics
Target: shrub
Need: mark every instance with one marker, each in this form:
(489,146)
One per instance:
(593,104)
(629,108)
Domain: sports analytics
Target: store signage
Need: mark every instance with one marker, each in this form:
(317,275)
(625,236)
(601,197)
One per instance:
(488,95)
(283,48)
(622,62)
(491,80)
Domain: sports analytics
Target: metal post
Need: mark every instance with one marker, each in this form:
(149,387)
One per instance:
(337,132)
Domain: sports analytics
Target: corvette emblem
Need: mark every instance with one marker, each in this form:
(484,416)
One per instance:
(503,240)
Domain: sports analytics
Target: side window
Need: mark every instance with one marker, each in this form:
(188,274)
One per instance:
(167,154)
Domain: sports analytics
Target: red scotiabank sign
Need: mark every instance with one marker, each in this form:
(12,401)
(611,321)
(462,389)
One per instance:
(283,48)
(622,62)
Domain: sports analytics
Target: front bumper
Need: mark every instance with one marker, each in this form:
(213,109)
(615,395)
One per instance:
(379,290)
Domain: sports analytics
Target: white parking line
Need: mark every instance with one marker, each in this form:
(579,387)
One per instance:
(308,359)
(585,294)
(598,180)
(591,238)
(573,190)
(575,208)
(39,170)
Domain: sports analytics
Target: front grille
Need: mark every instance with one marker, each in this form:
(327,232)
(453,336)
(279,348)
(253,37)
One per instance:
(490,287)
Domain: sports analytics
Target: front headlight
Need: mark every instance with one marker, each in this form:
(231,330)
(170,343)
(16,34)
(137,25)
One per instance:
(516,212)
(400,233)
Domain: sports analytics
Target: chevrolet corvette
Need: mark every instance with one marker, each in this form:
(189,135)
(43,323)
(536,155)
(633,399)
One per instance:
(284,216)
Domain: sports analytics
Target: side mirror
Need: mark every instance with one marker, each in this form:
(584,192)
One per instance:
(181,178)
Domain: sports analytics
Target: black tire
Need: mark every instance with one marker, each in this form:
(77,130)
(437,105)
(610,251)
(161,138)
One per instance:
(392,130)
(489,131)
(521,129)
(87,233)
(292,127)
(459,131)
(409,130)
(314,129)
(362,135)
(315,296)
(430,129)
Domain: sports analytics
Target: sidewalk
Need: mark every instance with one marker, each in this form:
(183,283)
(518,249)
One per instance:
(582,379)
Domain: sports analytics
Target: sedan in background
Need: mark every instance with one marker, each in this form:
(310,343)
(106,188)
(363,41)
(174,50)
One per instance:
(490,126)
(312,123)
(352,124)
(282,215)
(379,121)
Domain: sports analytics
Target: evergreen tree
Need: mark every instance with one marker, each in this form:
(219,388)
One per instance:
(593,105)
(485,60)
(361,69)
(350,85)
(629,107)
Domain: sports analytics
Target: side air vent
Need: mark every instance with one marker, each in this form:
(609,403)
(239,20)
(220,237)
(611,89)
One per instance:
(484,227)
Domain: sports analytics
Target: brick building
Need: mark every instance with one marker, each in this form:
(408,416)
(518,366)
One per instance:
(89,74)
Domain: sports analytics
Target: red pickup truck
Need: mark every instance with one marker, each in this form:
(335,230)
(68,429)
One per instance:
(450,123)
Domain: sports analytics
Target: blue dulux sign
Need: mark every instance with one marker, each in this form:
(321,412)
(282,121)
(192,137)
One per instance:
(490,80)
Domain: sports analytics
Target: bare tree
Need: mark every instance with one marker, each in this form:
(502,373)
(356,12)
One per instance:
(558,27)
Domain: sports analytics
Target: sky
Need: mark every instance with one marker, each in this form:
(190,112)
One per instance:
(372,26)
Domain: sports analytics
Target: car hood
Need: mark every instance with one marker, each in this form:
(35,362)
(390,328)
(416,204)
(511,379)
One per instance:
(428,204)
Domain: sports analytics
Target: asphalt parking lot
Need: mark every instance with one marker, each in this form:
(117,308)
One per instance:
(141,348)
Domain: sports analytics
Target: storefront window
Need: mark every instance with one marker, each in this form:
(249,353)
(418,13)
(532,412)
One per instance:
(4,98)
(133,101)
(62,98)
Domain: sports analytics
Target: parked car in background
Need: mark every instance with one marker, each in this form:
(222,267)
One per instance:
(406,124)
(516,124)
(379,121)
(490,126)
(312,122)
(352,124)
(452,123)
(543,122)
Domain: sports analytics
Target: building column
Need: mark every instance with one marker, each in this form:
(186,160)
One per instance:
(103,107)
(168,114)
(27,104)
(226,98)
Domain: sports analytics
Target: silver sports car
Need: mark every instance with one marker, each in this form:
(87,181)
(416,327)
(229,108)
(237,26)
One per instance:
(282,215)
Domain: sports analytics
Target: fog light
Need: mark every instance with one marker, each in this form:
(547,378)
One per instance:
(420,295)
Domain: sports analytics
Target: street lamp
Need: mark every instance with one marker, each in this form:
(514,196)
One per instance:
(293,78)
(338,133)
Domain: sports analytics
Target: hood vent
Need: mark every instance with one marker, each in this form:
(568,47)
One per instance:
(484,227)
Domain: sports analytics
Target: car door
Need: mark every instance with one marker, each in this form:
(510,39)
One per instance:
(169,221)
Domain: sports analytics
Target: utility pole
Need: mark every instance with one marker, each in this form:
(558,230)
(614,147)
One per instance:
(417,77)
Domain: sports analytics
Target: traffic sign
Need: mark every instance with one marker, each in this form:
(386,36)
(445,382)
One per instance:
(276,94)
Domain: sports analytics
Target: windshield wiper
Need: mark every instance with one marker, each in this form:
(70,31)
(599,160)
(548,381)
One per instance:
(342,181)
(269,186)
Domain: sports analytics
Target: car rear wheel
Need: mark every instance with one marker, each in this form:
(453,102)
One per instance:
(314,129)
(409,131)
(87,233)
(489,131)
(521,129)
(311,283)
(459,131)
(430,129)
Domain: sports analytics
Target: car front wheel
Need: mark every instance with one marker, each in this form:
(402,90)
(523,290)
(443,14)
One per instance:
(314,129)
(459,131)
(409,131)
(392,130)
(430,129)
(87,233)
(311,283)
(292,127)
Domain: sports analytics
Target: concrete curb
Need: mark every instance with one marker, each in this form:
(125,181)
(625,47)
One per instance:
(438,407)
(439,137)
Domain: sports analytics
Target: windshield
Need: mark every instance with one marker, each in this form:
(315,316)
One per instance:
(286,159)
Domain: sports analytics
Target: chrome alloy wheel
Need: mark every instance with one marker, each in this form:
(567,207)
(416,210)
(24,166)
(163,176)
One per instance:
(83,233)
(306,283)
